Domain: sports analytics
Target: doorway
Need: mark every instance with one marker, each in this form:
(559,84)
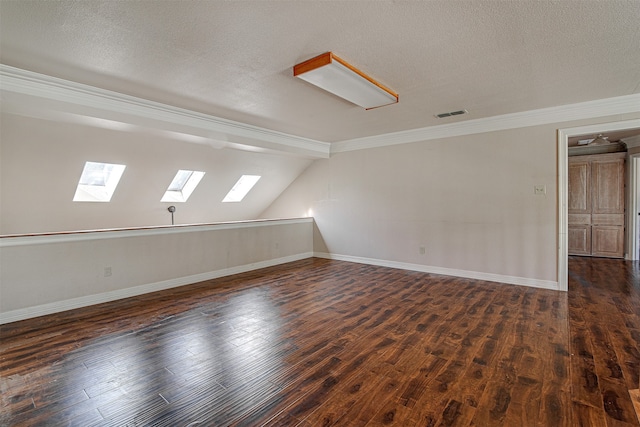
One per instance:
(631,233)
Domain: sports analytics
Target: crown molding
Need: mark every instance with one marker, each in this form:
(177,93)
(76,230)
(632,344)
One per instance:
(138,111)
(564,113)
(227,133)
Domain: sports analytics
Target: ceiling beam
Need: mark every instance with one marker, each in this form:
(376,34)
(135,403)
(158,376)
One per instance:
(24,92)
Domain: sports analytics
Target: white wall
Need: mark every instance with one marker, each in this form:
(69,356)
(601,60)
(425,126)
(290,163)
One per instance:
(41,162)
(469,201)
(46,274)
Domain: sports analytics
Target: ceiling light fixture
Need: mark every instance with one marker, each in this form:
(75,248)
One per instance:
(335,75)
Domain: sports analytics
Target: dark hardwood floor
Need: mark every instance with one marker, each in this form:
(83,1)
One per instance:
(604,312)
(319,342)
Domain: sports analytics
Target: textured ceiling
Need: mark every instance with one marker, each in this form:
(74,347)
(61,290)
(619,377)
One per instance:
(234,59)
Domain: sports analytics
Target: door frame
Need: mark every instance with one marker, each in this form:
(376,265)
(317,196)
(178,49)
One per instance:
(633,208)
(563,190)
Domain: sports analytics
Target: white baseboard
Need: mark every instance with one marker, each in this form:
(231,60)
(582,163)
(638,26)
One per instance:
(70,304)
(512,280)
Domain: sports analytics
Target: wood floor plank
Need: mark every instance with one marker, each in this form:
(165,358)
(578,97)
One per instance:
(322,342)
(365,408)
(587,416)
(618,406)
(344,398)
(635,398)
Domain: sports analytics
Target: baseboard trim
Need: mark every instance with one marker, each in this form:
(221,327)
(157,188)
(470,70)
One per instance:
(511,280)
(70,304)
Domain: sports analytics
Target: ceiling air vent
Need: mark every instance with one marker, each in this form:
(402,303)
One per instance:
(453,113)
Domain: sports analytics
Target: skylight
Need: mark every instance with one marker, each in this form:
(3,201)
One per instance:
(98,182)
(242,187)
(182,186)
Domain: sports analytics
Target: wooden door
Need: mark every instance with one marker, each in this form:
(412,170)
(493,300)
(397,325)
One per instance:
(596,205)
(579,207)
(607,207)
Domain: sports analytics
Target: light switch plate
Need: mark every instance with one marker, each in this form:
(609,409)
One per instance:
(540,190)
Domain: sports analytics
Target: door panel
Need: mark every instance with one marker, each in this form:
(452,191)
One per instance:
(579,237)
(608,186)
(607,219)
(608,241)
(581,219)
(579,199)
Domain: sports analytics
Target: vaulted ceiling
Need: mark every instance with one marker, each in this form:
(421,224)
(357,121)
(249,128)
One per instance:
(234,59)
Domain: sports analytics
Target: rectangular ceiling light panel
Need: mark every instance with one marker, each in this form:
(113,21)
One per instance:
(98,182)
(182,186)
(335,75)
(242,187)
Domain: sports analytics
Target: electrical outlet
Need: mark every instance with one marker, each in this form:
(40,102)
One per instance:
(107,271)
(423,250)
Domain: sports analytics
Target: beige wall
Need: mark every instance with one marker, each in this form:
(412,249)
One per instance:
(41,162)
(469,201)
(45,274)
